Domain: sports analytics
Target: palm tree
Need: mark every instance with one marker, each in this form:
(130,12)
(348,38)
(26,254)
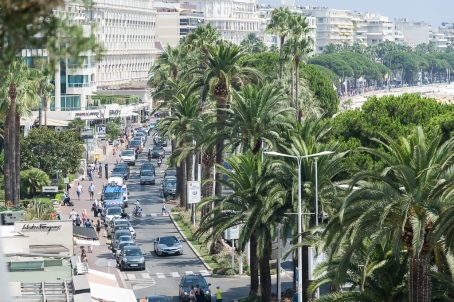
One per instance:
(250,180)
(77,124)
(221,72)
(256,115)
(279,26)
(401,203)
(46,89)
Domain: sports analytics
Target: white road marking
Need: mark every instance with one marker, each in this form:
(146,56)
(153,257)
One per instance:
(204,272)
(145,276)
(175,274)
(160,275)
(131,276)
(189,272)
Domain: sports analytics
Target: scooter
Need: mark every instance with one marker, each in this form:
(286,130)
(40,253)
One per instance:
(159,161)
(137,212)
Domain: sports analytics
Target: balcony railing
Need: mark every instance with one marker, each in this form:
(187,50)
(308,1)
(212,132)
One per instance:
(78,85)
(81,66)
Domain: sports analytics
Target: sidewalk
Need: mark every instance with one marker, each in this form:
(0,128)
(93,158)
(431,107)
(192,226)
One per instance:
(99,252)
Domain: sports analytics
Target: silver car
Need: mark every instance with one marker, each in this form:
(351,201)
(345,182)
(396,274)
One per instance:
(147,176)
(168,245)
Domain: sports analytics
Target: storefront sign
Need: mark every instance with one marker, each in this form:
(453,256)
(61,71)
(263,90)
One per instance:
(115,112)
(194,191)
(49,189)
(90,114)
(42,227)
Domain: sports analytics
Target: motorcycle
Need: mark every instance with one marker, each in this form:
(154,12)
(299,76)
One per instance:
(137,212)
(159,161)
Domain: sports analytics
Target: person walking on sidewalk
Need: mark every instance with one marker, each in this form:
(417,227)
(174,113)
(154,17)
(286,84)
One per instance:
(98,228)
(84,216)
(79,190)
(218,293)
(100,170)
(73,215)
(91,190)
(78,220)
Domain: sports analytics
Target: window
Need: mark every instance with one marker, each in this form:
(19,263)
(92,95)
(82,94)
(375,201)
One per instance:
(320,20)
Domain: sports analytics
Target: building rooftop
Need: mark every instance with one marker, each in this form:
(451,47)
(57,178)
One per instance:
(54,270)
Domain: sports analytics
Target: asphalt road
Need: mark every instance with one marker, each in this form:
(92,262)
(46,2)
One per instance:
(163,274)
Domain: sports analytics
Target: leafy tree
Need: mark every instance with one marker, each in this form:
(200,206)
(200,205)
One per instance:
(253,44)
(49,151)
(77,124)
(267,63)
(335,63)
(113,129)
(329,74)
(32,180)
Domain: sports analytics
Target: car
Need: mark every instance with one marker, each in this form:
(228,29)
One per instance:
(157,151)
(121,170)
(115,238)
(152,125)
(136,145)
(119,228)
(170,188)
(131,257)
(147,176)
(119,221)
(170,172)
(138,139)
(147,167)
(192,279)
(111,213)
(128,156)
(160,142)
(167,245)
(155,299)
(122,245)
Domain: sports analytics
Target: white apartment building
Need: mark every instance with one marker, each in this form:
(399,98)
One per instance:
(175,21)
(126,28)
(371,29)
(409,32)
(333,26)
(438,38)
(265,12)
(234,19)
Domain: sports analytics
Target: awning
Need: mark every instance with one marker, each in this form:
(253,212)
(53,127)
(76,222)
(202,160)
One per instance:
(55,123)
(110,293)
(128,114)
(88,233)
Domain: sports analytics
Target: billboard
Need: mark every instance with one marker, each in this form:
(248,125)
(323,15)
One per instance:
(194,193)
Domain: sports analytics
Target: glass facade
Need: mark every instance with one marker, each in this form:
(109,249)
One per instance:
(70,102)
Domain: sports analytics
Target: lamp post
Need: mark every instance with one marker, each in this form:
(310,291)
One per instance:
(300,248)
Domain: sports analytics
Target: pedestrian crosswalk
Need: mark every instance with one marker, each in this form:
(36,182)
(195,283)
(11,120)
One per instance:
(135,276)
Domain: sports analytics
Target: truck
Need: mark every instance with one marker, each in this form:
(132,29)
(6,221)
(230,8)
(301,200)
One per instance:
(128,156)
(114,195)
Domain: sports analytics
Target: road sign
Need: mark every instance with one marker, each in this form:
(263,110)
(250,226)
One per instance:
(232,233)
(66,180)
(101,130)
(194,191)
(49,189)
(87,134)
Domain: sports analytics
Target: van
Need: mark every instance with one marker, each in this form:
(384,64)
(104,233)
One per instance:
(128,156)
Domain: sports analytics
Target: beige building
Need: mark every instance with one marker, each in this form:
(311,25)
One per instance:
(174,21)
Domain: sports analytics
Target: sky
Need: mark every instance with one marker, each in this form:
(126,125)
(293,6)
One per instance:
(433,12)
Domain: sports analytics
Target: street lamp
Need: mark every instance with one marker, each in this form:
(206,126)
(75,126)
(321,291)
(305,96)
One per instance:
(300,248)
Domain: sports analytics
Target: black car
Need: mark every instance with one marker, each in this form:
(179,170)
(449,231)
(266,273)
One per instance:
(170,188)
(157,151)
(147,167)
(131,257)
(188,280)
(121,170)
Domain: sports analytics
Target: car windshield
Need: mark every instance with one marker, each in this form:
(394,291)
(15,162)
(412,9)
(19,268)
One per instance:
(121,222)
(171,185)
(113,211)
(158,148)
(124,238)
(146,167)
(133,252)
(171,172)
(134,143)
(168,240)
(121,227)
(157,299)
(123,244)
(193,281)
(120,234)
(127,153)
(112,195)
(147,173)
(119,169)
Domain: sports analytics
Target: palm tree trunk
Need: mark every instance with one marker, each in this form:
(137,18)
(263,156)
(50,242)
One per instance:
(221,104)
(281,59)
(16,199)
(184,199)
(292,86)
(265,276)
(254,264)
(8,163)
(419,281)
(179,187)
(12,132)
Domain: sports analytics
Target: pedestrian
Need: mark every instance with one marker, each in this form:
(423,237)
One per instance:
(96,161)
(100,170)
(78,220)
(72,216)
(84,259)
(192,294)
(164,210)
(84,216)
(79,190)
(104,148)
(98,228)
(198,296)
(82,172)
(91,190)
(82,250)
(94,208)
(218,293)
(100,208)
(90,174)
(88,223)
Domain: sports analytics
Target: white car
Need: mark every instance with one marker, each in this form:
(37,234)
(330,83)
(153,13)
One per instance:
(128,156)
(112,213)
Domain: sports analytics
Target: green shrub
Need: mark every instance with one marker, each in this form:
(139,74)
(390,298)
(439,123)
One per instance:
(31,180)
(251,298)
(224,270)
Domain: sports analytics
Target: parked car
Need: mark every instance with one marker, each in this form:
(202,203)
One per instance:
(131,257)
(188,280)
(167,245)
(147,177)
(157,151)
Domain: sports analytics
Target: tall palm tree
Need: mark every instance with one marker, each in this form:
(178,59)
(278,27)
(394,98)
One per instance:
(256,115)
(279,26)
(222,71)
(401,203)
(46,89)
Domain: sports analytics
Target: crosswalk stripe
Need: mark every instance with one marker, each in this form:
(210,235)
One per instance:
(145,276)
(160,275)
(189,272)
(131,276)
(204,272)
(175,274)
